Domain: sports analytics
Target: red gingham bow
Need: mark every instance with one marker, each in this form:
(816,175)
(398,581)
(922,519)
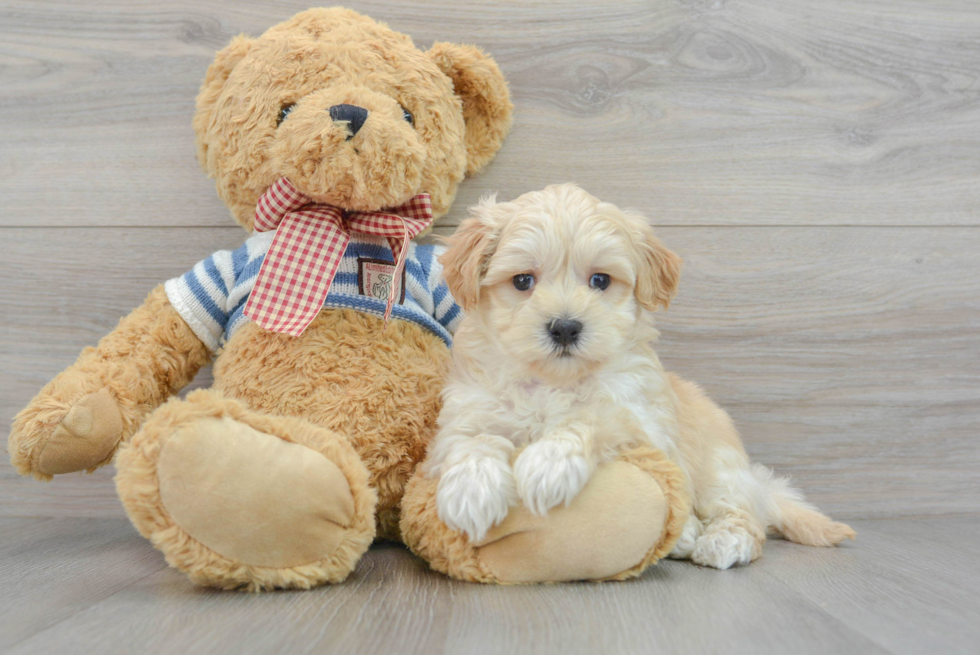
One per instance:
(310,242)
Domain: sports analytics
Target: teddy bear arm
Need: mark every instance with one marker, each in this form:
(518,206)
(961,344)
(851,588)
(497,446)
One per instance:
(77,420)
(628,516)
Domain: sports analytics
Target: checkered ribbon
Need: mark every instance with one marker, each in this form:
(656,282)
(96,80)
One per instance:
(310,242)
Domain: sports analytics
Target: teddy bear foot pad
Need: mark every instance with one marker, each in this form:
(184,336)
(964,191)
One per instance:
(224,459)
(237,499)
(585,541)
(627,517)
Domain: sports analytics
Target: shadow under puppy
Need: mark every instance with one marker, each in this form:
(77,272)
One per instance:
(554,362)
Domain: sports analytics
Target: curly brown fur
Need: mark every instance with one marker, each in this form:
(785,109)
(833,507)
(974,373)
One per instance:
(150,355)
(332,380)
(322,57)
(486,102)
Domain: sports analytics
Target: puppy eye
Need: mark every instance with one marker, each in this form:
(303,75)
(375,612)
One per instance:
(408,117)
(599,281)
(284,112)
(523,282)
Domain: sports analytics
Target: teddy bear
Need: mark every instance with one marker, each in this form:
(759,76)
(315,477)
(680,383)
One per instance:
(333,141)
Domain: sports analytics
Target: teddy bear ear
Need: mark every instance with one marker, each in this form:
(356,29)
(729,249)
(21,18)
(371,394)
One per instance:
(486,100)
(214,80)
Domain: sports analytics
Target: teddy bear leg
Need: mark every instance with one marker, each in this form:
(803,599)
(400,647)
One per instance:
(627,517)
(239,499)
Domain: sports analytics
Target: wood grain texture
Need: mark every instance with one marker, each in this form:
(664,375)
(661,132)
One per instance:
(697,111)
(849,359)
(926,563)
(52,568)
(880,594)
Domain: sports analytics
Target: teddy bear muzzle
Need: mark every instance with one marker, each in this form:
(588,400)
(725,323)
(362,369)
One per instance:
(351,147)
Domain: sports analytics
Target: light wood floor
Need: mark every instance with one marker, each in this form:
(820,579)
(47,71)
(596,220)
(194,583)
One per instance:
(93,585)
(817,164)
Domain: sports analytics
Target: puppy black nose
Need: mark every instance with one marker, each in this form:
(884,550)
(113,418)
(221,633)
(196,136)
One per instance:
(564,331)
(354,115)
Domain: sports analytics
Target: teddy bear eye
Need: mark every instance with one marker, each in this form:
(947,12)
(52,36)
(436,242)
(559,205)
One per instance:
(408,117)
(283,113)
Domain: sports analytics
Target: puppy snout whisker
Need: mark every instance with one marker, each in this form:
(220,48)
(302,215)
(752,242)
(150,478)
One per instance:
(565,332)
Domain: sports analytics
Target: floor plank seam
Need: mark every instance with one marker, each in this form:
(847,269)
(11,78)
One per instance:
(46,628)
(814,605)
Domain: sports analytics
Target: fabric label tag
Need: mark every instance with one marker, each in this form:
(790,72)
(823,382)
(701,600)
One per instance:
(374,278)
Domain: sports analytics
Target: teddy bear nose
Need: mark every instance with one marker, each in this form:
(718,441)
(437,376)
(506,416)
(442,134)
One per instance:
(353,115)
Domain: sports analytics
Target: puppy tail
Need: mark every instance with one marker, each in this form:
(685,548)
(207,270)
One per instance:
(791,516)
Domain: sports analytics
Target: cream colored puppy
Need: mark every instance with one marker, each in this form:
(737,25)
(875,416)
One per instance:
(555,355)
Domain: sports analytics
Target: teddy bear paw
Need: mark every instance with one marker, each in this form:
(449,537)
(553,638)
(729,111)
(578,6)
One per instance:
(84,438)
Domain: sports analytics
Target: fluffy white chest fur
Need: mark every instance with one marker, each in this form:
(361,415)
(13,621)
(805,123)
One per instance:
(627,401)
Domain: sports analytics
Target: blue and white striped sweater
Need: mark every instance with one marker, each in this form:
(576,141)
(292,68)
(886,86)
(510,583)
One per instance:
(211,297)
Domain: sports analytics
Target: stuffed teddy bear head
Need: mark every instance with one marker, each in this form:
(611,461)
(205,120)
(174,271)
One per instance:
(350,111)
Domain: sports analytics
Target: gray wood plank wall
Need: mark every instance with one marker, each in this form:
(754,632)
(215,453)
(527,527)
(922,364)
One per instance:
(815,163)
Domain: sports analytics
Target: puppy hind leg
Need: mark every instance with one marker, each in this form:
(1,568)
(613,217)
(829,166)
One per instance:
(790,515)
(730,539)
(693,529)
(732,509)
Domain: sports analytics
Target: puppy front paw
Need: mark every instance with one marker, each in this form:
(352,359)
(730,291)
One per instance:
(549,473)
(475,495)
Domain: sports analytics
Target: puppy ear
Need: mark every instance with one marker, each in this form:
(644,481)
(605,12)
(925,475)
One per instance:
(659,271)
(466,260)
(486,101)
(214,81)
